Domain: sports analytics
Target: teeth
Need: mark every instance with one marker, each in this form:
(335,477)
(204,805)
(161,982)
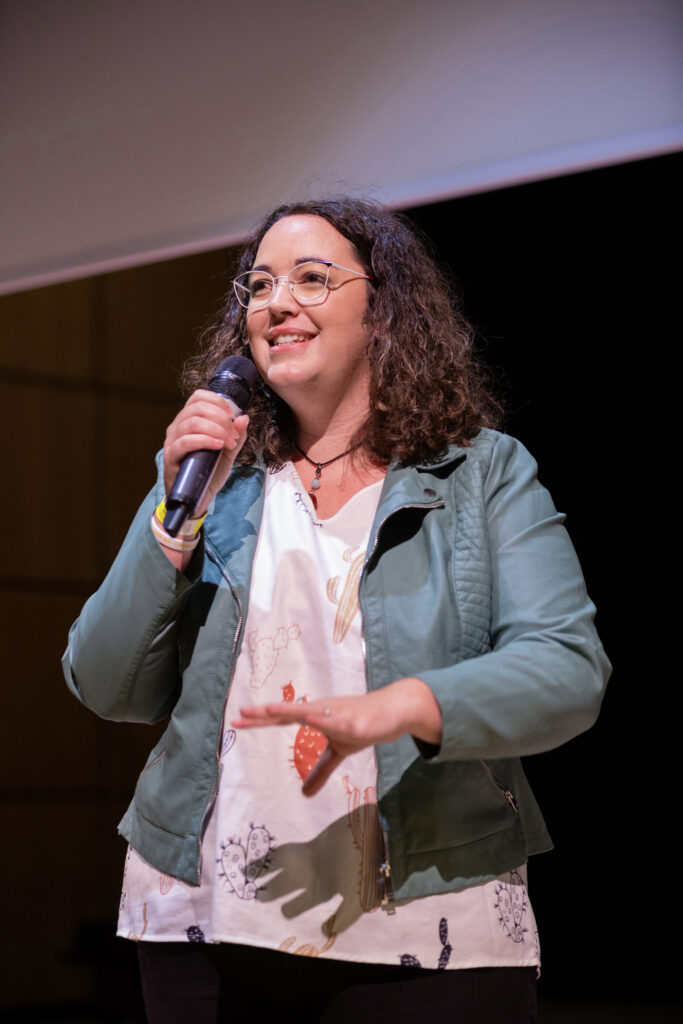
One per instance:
(288,339)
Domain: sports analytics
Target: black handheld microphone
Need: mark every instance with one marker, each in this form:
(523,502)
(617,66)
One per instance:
(234,381)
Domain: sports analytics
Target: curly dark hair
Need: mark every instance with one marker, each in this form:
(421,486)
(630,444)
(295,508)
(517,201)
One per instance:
(427,389)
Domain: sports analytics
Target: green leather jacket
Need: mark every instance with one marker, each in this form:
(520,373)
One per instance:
(470,583)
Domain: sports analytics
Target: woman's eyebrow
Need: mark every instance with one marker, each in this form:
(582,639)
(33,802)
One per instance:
(301,259)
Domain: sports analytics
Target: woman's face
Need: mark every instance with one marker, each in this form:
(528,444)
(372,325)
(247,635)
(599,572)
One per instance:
(311,352)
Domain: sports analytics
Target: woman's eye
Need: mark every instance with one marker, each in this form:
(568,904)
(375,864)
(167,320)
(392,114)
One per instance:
(313,277)
(259,286)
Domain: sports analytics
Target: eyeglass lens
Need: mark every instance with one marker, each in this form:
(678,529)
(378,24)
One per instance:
(307,282)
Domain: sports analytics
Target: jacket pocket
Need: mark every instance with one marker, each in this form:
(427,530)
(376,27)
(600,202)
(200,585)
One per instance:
(452,804)
(503,790)
(151,785)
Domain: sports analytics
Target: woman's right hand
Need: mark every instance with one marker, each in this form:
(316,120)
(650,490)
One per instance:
(205,421)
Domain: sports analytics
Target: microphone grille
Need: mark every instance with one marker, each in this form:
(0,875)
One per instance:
(235,378)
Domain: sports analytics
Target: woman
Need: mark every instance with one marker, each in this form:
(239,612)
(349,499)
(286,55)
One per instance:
(393,613)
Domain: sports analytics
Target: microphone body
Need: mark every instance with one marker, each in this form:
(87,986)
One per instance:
(234,381)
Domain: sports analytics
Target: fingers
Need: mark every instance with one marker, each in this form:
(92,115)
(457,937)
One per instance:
(351,723)
(332,717)
(206,421)
(258,716)
(291,714)
(209,422)
(335,726)
(321,771)
(317,713)
(327,718)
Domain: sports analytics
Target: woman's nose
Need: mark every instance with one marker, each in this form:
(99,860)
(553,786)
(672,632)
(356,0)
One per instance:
(281,297)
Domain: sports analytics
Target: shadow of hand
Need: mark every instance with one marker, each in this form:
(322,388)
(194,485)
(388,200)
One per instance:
(296,870)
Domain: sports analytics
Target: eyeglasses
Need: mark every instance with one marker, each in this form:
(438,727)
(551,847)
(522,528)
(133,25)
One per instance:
(308,283)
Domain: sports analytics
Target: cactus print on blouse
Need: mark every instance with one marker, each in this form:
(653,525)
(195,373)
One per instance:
(512,904)
(242,864)
(367,838)
(408,960)
(309,743)
(302,875)
(266,650)
(229,738)
(348,599)
(288,945)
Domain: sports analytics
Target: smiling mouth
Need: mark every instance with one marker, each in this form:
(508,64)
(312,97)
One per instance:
(288,339)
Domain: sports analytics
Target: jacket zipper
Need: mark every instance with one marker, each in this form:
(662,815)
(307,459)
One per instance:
(384,869)
(399,508)
(385,878)
(506,792)
(212,801)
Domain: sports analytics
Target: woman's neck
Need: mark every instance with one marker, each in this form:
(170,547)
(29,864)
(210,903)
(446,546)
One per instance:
(324,436)
(328,437)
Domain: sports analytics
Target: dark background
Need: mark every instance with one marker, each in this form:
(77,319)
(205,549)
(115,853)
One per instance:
(566,281)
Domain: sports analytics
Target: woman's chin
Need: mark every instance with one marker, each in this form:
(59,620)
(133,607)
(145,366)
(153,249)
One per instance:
(293,369)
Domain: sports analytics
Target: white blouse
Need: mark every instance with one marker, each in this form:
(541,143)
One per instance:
(300,874)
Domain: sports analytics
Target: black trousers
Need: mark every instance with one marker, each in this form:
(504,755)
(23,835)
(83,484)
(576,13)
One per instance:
(205,983)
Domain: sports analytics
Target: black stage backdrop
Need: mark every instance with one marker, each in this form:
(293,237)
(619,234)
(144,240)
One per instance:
(569,285)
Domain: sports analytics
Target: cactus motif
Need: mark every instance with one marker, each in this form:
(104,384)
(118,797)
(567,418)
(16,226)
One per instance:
(241,865)
(408,960)
(135,935)
(229,737)
(447,949)
(124,890)
(511,904)
(307,948)
(348,601)
(124,900)
(309,743)
(165,884)
(266,649)
(366,834)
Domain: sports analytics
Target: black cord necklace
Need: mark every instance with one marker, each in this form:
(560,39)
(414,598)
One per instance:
(320,466)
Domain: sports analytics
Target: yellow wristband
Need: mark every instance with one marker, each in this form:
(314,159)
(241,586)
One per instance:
(174,543)
(189,528)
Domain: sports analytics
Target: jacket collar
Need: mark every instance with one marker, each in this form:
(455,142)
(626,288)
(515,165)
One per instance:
(232,537)
(422,483)
(455,453)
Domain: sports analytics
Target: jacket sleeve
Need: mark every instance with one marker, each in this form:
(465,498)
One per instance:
(121,660)
(543,680)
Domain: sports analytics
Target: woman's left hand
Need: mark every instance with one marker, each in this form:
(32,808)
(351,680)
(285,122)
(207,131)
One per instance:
(352,723)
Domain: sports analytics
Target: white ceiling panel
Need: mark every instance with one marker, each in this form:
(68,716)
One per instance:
(136,130)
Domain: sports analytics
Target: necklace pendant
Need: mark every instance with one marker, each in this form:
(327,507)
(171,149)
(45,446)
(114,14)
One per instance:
(319,466)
